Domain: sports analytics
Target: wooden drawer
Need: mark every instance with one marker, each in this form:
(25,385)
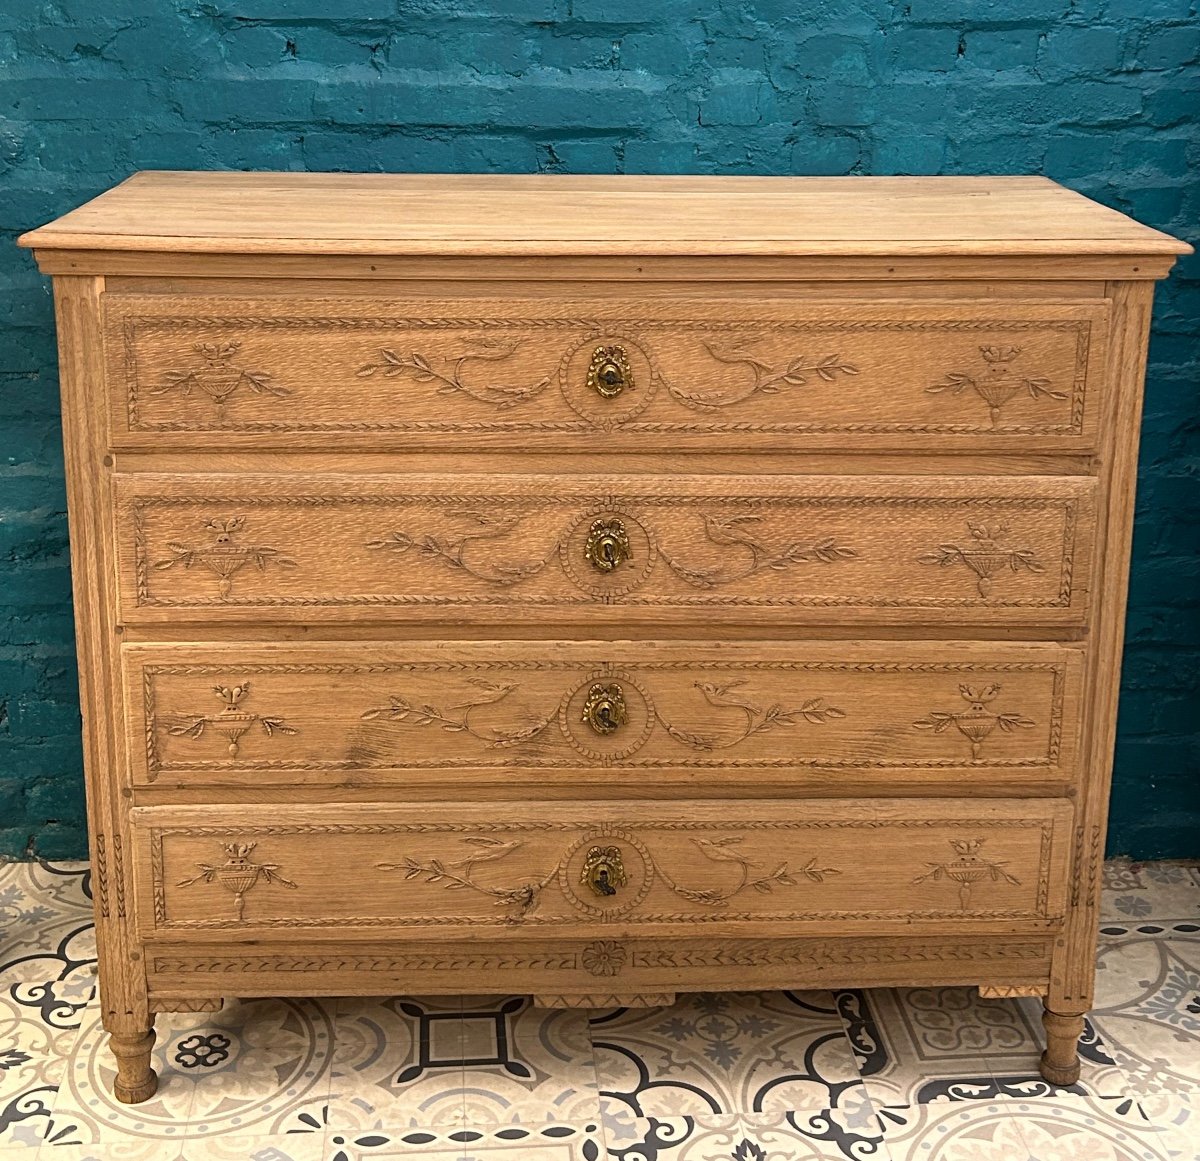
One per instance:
(226,371)
(305,547)
(441,868)
(607,716)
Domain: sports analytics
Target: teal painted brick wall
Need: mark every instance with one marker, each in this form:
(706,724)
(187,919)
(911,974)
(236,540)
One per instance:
(1100,94)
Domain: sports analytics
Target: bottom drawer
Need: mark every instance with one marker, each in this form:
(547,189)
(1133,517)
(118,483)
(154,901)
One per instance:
(750,868)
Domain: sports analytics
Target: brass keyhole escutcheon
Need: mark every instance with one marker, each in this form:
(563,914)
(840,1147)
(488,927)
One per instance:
(603,870)
(607,544)
(604,709)
(609,372)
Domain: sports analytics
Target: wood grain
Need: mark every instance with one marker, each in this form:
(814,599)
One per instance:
(188,370)
(317,547)
(442,870)
(305,213)
(410,659)
(420,714)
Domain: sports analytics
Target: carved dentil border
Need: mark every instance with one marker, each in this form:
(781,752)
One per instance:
(162,922)
(155,764)
(1067,506)
(131,324)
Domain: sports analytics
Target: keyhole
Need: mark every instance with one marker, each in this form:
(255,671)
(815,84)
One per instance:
(602,883)
(608,550)
(611,375)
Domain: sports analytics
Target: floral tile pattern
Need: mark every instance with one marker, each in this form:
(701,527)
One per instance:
(1148,1005)
(1134,891)
(886,1075)
(726,1053)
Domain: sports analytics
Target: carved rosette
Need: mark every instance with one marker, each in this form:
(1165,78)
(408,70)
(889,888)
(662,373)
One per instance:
(729,715)
(573,874)
(490,547)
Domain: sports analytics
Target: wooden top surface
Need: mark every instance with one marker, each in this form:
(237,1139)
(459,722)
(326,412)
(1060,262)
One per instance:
(492,214)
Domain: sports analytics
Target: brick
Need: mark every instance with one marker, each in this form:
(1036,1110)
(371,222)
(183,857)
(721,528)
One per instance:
(843,105)
(639,12)
(289,10)
(662,52)
(918,155)
(589,155)
(561,100)
(923,49)
(826,155)
(1172,105)
(826,58)
(242,98)
(1160,154)
(56,98)
(674,156)
(994,50)
(1080,51)
(432,99)
(1151,11)
(987,11)
(1169,48)
(1004,153)
(744,103)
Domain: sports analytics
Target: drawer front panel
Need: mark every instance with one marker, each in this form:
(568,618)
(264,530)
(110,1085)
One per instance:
(893,549)
(601,714)
(599,865)
(763,373)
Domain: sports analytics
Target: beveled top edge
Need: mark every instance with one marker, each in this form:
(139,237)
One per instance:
(493,215)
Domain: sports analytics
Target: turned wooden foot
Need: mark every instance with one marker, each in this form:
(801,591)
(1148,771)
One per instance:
(136,1080)
(1060,1061)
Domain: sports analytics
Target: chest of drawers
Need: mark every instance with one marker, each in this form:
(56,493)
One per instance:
(597,588)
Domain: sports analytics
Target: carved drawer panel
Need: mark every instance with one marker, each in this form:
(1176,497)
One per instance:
(230,370)
(590,867)
(607,715)
(487,549)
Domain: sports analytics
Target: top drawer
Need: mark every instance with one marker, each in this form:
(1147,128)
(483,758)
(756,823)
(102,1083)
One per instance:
(994,374)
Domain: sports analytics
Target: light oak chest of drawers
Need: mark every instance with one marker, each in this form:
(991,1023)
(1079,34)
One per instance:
(597,588)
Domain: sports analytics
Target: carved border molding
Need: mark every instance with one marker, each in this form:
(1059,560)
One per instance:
(100,846)
(748,953)
(162,922)
(155,765)
(1068,506)
(132,324)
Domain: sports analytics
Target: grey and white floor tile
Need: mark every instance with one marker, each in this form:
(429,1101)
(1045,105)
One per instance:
(712,1054)
(1147,1006)
(928,1074)
(1141,891)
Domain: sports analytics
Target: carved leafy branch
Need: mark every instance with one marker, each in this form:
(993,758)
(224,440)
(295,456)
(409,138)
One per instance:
(724,850)
(767,379)
(758,719)
(420,369)
(459,875)
(733,534)
(454,551)
(401,710)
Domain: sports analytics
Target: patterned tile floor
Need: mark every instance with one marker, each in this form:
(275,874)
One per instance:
(889,1075)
